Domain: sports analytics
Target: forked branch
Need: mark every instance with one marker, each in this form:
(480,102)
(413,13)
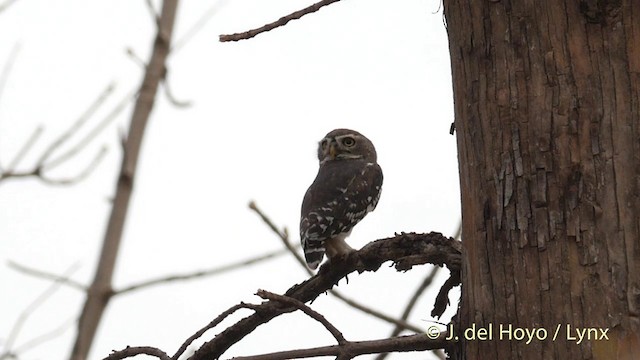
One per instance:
(405,250)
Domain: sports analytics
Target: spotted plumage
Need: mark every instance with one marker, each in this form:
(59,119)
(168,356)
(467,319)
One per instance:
(346,188)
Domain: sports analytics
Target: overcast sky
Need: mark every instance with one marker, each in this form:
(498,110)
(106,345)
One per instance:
(258,109)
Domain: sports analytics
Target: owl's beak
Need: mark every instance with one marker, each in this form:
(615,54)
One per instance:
(332,151)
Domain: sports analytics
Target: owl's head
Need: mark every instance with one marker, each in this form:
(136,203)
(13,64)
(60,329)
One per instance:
(345,144)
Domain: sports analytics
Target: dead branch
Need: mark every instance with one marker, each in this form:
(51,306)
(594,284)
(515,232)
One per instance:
(305,309)
(284,237)
(100,291)
(139,350)
(404,250)
(280,22)
(242,264)
(28,311)
(44,337)
(442,299)
(59,279)
(411,304)
(199,274)
(198,25)
(45,163)
(209,326)
(349,350)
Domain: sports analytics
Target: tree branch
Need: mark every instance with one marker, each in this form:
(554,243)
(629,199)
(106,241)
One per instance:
(198,274)
(30,309)
(404,250)
(211,325)
(305,309)
(348,350)
(100,291)
(59,279)
(280,22)
(284,237)
(139,350)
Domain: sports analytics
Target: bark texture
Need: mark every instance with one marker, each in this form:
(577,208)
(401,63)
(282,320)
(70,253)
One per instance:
(547,107)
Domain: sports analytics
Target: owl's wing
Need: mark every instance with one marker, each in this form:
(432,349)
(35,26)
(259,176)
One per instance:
(335,202)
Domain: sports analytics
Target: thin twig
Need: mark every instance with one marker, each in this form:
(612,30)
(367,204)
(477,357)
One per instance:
(375,313)
(203,273)
(171,97)
(76,126)
(199,25)
(209,326)
(82,175)
(411,304)
(45,337)
(152,10)
(112,115)
(280,22)
(284,237)
(305,309)
(8,66)
(59,279)
(28,145)
(31,308)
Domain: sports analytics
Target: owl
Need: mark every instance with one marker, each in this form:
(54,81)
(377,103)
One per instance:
(345,190)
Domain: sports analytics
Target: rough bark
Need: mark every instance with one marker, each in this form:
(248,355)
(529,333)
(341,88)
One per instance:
(547,113)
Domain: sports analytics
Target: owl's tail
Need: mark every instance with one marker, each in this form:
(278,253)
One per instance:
(314,256)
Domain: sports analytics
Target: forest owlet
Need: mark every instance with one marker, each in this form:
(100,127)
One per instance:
(346,188)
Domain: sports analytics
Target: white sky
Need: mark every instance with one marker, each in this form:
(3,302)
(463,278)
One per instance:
(259,107)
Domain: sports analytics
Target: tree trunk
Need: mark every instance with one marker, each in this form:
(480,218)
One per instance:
(547,108)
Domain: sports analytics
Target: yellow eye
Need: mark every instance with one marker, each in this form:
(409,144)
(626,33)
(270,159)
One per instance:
(348,141)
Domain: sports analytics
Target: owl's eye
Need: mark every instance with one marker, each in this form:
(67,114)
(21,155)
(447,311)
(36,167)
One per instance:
(348,141)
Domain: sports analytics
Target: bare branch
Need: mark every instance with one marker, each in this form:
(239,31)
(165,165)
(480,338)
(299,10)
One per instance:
(28,145)
(198,25)
(59,279)
(152,10)
(404,250)
(4,6)
(199,274)
(280,22)
(135,58)
(411,304)
(82,175)
(284,236)
(76,126)
(44,163)
(209,326)
(403,324)
(419,342)
(31,308)
(172,99)
(8,66)
(305,309)
(140,350)
(100,292)
(442,299)
(112,115)
(45,337)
